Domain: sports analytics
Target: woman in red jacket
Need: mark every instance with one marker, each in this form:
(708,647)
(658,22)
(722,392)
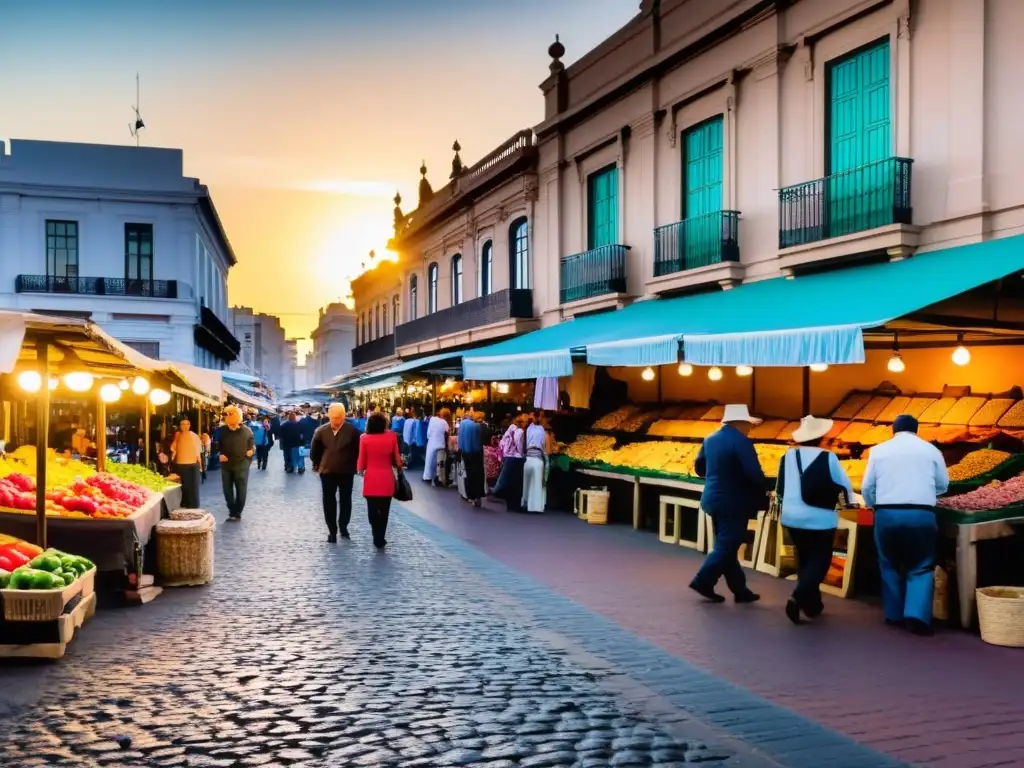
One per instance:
(379,456)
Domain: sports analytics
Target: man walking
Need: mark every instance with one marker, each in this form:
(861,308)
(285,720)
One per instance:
(264,435)
(334,453)
(187,455)
(734,492)
(903,478)
(237,447)
(291,441)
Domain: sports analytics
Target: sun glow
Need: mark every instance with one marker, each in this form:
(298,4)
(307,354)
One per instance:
(345,252)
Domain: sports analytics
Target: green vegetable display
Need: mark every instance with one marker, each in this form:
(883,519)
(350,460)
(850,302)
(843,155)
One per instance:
(5,578)
(139,475)
(52,569)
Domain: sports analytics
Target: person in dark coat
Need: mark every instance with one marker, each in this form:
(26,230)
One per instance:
(734,492)
(334,453)
(291,441)
(307,426)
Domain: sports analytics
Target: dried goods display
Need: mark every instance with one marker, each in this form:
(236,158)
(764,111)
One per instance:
(769,457)
(714,414)
(613,420)
(919,405)
(874,407)
(851,406)
(694,412)
(991,412)
(877,434)
(636,422)
(1013,418)
(938,409)
(587,447)
(853,432)
(961,413)
(855,469)
(695,430)
(938,433)
(836,431)
(993,496)
(652,456)
(977,463)
(671,412)
(787,432)
(896,407)
(768,429)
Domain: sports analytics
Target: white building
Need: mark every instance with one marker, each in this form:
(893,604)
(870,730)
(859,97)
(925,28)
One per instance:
(117,234)
(264,351)
(333,340)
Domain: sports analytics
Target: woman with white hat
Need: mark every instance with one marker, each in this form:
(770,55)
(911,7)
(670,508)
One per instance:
(810,483)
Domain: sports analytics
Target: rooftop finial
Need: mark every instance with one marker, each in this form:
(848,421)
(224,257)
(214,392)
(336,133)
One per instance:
(556,51)
(457,168)
(423,169)
(399,216)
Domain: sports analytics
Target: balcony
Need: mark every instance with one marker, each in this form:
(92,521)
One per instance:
(502,313)
(595,273)
(696,251)
(211,334)
(96,286)
(377,349)
(858,211)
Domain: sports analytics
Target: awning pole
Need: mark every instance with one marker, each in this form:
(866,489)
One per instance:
(807,391)
(101,434)
(145,430)
(433,397)
(753,391)
(42,436)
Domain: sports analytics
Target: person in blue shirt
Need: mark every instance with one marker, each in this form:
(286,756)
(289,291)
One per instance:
(471,449)
(812,529)
(734,492)
(409,431)
(398,427)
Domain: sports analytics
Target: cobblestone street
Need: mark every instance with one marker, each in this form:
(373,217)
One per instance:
(310,654)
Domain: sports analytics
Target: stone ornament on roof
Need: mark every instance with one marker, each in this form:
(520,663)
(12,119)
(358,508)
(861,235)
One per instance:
(399,216)
(426,191)
(457,167)
(556,51)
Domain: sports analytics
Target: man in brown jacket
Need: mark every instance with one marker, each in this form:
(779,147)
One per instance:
(334,452)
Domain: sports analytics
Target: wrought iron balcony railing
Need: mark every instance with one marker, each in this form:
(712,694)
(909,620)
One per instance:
(863,198)
(374,350)
(699,241)
(96,286)
(501,305)
(593,273)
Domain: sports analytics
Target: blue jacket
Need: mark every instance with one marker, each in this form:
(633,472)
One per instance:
(734,485)
(290,435)
(307,426)
(469,436)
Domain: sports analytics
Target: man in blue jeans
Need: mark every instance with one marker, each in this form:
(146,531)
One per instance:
(237,447)
(291,443)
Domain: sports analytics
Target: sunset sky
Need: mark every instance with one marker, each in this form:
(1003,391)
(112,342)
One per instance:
(303,116)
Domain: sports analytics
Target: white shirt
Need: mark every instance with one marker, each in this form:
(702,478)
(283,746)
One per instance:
(904,470)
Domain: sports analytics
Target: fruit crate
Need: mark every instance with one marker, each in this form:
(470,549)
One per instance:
(49,639)
(45,604)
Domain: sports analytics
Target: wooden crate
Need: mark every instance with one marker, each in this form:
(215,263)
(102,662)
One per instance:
(67,624)
(45,604)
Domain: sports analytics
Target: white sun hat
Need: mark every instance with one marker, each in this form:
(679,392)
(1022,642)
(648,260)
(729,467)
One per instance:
(734,413)
(811,428)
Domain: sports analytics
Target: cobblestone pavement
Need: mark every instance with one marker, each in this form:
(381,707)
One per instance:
(431,654)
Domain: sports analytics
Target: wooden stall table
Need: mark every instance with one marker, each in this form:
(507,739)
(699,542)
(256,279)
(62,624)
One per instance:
(172,499)
(621,476)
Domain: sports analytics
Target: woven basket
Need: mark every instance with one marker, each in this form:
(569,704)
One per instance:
(592,506)
(44,604)
(1001,615)
(187,514)
(184,551)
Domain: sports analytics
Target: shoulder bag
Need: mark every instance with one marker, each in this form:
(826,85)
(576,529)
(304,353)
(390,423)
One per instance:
(817,488)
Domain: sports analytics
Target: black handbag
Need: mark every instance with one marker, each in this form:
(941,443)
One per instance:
(817,488)
(403,491)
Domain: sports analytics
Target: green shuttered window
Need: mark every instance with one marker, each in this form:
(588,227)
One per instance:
(603,207)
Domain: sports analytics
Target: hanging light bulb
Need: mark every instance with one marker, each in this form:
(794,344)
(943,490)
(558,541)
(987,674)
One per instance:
(744,370)
(53,383)
(110,393)
(123,384)
(78,381)
(685,369)
(30,381)
(140,385)
(819,367)
(961,355)
(715,373)
(896,364)
(648,374)
(159,397)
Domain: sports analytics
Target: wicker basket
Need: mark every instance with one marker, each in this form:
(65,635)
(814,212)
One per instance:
(45,604)
(184,551)
(187,514)
(592,506)
(1001,615)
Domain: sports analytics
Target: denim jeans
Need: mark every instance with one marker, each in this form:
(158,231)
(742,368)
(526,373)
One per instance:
(235,483)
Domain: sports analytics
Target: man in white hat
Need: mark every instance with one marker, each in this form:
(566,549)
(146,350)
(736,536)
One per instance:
(734,491)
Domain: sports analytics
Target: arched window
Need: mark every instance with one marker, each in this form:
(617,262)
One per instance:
(487,269)
(456,279)
(519,254)
(413,297)
(384,308)
(363,324)
(377,334)
(395,307)
(432,289)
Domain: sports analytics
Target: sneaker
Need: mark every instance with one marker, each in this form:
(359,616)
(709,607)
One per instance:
(747,597)
(708,593)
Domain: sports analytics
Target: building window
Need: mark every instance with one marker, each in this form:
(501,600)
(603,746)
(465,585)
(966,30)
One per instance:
(384,323)
(138,257)
(148,348)
(377,334)
(456,279)
(519,253)
(61,250)
(432,289)
(396,306)
(603,207)
(413,297)
(702,169)
(486,269)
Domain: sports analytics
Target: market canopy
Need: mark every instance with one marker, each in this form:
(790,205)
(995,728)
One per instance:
(818,318)
(442,363)
(243,397)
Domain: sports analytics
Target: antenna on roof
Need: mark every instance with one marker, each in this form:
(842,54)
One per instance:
(139,125)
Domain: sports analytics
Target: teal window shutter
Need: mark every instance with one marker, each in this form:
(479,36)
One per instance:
(603,207)
(702,169)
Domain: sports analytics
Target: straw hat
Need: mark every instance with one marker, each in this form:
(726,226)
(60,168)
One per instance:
(734,413)
(811,428)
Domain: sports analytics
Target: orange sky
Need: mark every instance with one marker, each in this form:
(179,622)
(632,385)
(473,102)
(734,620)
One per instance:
(302,118)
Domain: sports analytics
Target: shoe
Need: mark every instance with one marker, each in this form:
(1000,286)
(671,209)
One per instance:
(302,471)
(747,597)
(345,535)
(477,503)
(894,623)
(793,611)
(708,593)
(919,628)
(332,538)
(380,544)
(233,518)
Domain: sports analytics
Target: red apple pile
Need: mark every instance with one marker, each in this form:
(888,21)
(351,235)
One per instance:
(101,496)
